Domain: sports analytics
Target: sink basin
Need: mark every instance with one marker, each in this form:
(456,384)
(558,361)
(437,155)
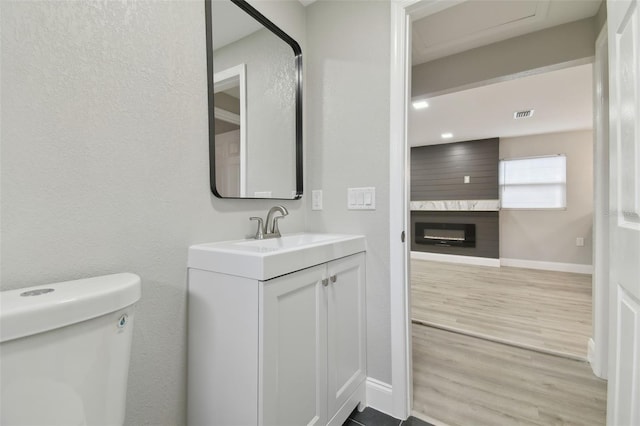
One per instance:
(286,242)
(266,259)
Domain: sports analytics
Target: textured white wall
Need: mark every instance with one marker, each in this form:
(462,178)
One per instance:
(347,94)
(271,126)
(104,164)
(550,235)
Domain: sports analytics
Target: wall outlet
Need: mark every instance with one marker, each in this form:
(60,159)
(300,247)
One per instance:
(580,242)
(467,179)
(316,199)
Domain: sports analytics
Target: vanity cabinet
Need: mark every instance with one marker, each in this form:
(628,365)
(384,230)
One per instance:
(290,350)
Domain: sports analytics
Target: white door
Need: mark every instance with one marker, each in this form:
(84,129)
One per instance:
(346,329)
(624,73)
(293,362)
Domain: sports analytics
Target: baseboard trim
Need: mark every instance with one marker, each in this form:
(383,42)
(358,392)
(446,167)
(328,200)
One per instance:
(454,258)
(577,268)
(596,360)
(591,348)
(379,396)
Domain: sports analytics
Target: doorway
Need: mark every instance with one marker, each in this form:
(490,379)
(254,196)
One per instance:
(525,277)
(487,310)
(413,9)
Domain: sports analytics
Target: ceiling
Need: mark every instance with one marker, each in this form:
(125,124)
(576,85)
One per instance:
(454,26)
(562,101)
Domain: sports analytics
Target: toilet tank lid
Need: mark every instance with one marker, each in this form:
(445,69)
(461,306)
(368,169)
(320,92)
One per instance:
(40,308)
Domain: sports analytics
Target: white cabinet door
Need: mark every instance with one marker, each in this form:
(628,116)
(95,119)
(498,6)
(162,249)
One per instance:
(293,341)
(346,329)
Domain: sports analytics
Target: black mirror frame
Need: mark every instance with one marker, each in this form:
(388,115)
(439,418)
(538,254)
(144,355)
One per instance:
(242,4)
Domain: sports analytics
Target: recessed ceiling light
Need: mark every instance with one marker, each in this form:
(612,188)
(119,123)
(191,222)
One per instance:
(420,104)
(447,135)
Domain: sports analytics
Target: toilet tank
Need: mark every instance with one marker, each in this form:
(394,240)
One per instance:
(64,351)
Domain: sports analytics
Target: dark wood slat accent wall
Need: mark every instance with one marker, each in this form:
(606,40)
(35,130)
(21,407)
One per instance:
(438,171)
(487,232)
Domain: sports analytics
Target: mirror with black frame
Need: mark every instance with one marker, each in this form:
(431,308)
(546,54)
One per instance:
(254,72)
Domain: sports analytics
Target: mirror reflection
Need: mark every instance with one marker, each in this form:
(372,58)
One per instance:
(255,137)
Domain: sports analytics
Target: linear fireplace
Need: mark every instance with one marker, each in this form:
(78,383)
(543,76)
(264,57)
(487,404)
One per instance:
(481,239)
(446,234)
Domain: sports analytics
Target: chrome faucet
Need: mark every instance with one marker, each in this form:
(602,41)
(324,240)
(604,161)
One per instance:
(270,228)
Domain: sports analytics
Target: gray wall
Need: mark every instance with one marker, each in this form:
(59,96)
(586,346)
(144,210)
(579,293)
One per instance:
(550,235)
(348,142)
(550,47)
(438,171)
(104,164)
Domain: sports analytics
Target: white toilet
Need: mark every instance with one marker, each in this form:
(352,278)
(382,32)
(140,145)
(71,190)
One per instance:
(64,351)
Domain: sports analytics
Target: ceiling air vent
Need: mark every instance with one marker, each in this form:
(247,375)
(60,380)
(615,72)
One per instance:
(523,114)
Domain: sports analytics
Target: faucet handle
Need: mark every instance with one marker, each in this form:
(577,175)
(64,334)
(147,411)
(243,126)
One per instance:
(260,231)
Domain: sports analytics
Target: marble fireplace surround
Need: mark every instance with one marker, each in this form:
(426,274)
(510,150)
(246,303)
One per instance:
(456,205)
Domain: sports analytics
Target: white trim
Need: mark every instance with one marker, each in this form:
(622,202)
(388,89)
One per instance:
(591,348)
(454,258)
(379,396)
(577,268)
(224,115)
(224,80)
(599,356)
(399,96)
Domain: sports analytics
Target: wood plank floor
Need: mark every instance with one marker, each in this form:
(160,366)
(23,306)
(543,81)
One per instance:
(545,310)
(466,381)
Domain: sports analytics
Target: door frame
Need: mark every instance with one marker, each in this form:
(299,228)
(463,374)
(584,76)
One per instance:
(400,78)
(223,80)
(598,350)
(403,12)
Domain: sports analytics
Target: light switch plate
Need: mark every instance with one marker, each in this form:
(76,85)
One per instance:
(361,198)
(316,199)
(467,179)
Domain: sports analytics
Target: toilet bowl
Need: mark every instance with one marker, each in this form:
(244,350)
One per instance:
(64,351)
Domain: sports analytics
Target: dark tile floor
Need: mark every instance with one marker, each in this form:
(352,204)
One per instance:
(371,417)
